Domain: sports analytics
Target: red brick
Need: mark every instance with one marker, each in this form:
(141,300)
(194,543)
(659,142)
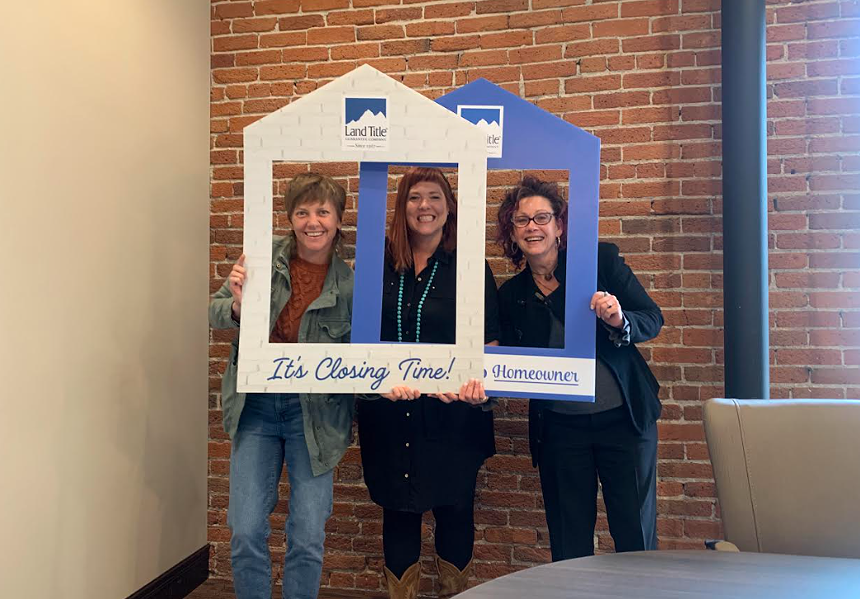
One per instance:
(455,43)
(535,18)
(353,51)
(830,29)
(535,54)
(650,43)
(300,22)
(506,40)
(398,48)
(238,42)
(253,25)
(350,17)
(323,5)
(563,33)
(617,27)
(449,10)
(281,40)
(276,7)
(592,13)
(331,35)
(387,15)
(506,6)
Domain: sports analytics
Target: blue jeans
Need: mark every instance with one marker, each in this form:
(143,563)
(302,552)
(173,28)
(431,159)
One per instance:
(270,431)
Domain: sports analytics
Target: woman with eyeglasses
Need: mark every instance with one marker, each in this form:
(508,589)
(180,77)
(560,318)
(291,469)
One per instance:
(613,440)
(422,452)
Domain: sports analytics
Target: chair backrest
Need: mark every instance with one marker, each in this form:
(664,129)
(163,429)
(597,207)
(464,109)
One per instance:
(787,474)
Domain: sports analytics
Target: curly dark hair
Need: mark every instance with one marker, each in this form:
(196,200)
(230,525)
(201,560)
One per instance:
(529,187)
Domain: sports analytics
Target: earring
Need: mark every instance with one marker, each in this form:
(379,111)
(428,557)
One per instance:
(558,241)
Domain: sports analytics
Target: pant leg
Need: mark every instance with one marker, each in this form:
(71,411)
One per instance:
(455,531)
(401,540)
(569,484)
(256,460)
(310,507)
(627,467)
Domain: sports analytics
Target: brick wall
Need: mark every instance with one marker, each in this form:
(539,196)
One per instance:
(644,76)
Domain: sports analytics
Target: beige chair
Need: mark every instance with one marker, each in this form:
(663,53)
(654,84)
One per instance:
(787,474)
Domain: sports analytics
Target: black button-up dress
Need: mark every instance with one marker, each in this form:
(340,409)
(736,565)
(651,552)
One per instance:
(425,453)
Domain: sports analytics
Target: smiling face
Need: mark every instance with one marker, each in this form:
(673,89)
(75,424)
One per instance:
(426,210)
(537,242)
(315,225)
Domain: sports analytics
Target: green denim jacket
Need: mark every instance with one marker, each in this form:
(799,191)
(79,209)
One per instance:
(327,417)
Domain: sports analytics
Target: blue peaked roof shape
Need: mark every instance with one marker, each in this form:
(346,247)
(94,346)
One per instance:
(550,141)
(534,139)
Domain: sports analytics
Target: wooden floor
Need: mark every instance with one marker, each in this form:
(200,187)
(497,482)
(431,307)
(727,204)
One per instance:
(223,589)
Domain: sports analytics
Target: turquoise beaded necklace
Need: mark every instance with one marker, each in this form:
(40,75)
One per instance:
(420,306)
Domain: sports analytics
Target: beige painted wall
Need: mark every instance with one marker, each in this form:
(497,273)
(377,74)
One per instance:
(103,292)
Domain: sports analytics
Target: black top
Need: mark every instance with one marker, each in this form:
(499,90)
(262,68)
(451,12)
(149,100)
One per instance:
(526,322)
(425,453)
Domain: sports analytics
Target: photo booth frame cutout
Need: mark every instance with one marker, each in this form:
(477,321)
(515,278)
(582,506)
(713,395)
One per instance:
(533,138)
(528,138)
(388,122)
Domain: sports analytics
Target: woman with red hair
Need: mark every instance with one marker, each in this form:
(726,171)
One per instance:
(423,452)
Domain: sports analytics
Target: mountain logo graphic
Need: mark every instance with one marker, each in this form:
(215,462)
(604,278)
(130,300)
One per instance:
(365,123)
(491,120)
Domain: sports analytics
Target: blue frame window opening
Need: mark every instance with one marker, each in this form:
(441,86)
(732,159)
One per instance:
(499,182)
(378,189)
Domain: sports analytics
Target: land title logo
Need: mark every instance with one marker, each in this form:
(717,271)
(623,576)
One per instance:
(490,119)
(365,123)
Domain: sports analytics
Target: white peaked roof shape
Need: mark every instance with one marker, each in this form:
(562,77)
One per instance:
(420,130)
(408,128)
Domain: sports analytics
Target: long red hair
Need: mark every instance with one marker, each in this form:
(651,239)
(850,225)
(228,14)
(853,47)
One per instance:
(399,247)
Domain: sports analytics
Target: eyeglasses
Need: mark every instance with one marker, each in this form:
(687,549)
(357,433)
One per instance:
(541,218)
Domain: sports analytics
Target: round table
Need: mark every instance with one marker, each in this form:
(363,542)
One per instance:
(681,574)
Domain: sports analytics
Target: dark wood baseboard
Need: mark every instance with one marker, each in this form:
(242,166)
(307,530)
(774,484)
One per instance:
(180,580)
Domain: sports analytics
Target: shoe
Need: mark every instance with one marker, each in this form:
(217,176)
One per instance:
(451,579)
(405,587)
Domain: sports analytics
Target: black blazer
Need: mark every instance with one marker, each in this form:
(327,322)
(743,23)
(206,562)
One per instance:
(526,323)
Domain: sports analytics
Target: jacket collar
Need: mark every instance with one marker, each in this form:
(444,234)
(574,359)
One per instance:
(338,271)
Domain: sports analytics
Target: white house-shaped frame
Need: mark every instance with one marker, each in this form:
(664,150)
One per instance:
(402,126)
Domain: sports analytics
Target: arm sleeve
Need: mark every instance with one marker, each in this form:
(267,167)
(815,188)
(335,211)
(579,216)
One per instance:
(643,315)
(221,309)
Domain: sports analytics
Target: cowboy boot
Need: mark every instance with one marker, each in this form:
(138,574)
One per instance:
(405,587)
(451,579)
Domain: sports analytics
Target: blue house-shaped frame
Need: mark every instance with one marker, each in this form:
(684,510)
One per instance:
(532,139)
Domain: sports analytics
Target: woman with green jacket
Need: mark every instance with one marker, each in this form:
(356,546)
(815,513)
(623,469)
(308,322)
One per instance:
(311,303)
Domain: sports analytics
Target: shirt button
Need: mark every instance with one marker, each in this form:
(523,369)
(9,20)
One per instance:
(278,266)
(419,279)
(407,445)
(406,475)
(407,414)
(408,304)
